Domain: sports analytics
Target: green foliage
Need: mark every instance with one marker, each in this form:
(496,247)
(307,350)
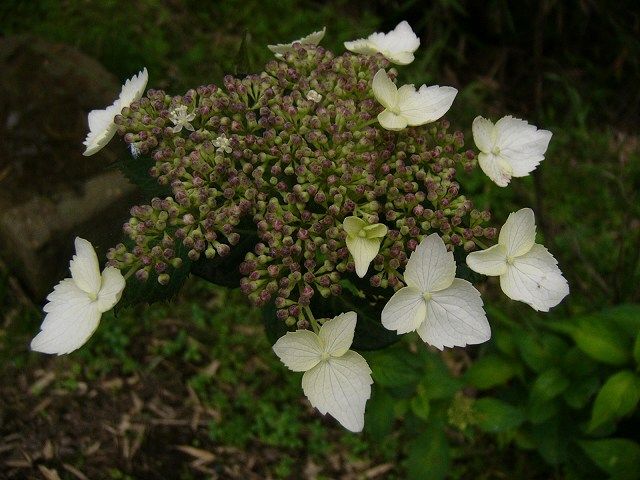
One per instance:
(618,457)
(493,415)
(538,387)
(617,398)
(490,371)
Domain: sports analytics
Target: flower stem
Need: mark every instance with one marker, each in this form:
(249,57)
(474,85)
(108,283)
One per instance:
(131,271)
(312,319)
(480,244)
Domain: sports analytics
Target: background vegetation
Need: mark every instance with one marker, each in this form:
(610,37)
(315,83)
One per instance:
(191,389)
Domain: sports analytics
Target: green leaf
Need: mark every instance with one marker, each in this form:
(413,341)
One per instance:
(490,371)
(370,334)
(540,411)
(393,367)
(617,397)
(243,59)
(549,385)
(551,440)
(380,413)
(493,415)
(578,364)
(581,391)
(505,341)
(636,349)
(224,271)
(540,351)
(602,341)
(420,404)
(619,457)
(137,172)
(437,380)
(546,387)
(626,317)
(428,456)
(137,292)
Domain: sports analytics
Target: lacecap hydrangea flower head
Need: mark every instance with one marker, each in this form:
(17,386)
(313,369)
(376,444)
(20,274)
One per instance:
(327,191)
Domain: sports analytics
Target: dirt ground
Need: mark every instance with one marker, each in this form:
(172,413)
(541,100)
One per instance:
(59,421)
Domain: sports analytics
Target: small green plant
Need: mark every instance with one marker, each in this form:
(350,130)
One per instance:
(566,389)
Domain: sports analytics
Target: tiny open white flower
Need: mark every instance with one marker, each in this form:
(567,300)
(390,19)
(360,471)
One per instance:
(312,39)
(406,107)
(101,125)
(510,148)
(181,118)
(222,144)
(363,241)
(337,380)
(314,96)
(397,46)
(528,272)
(444,310)
(77,303)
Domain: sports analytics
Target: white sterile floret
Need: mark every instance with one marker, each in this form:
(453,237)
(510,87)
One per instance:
(397,46)
(406,107)
(181,118)
(222,144)
(101,125)
(312,39)
(363,241)
(510,148)
(444,310)
(528,272)
(77,303)
(337,380)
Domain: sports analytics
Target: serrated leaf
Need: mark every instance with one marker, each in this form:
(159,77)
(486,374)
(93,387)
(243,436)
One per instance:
(151,291)
(224,271)
(490,371)
(619,457)
(617,397)
(137,172)
(243,59)
(493,415)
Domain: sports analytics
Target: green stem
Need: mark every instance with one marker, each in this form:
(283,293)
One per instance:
(370,122)
(131,271)
(312,319)
(480,244)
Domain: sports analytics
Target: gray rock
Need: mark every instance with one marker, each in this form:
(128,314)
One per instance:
(49,192)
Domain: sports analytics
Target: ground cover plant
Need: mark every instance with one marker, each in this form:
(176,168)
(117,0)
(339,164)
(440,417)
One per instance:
(515,393)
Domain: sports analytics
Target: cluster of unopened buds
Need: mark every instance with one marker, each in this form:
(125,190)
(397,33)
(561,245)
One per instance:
(333,171)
